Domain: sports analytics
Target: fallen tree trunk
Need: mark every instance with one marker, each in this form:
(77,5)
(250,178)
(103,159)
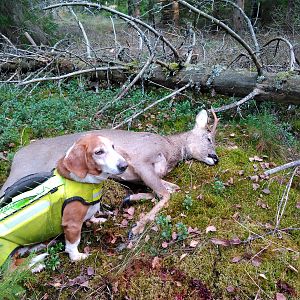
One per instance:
(279,87)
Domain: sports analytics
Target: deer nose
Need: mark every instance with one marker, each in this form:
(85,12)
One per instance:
(122,166)
(214,157)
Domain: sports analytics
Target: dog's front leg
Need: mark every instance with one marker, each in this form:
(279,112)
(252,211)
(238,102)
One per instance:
(72,220)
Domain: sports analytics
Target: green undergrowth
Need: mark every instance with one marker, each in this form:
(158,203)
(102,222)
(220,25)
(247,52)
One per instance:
(215,240)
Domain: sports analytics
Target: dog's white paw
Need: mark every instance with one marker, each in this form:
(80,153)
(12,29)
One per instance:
(78,256)
(97,220)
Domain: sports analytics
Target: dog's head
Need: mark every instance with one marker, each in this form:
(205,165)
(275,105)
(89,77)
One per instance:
(93,158)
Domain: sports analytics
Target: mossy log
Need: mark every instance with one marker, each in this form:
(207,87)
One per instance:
(281,87)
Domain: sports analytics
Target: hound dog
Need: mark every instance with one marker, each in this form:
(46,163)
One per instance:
(59,202)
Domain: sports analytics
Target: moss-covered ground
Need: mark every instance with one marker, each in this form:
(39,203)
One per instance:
(215,240)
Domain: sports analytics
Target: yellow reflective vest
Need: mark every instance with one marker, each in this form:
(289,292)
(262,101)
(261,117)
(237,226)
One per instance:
(36,215)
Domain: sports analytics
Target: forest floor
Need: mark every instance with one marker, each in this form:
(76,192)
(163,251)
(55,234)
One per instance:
(217,237)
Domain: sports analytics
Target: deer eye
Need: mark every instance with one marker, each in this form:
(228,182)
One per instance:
(99,152)
(209,139)
(113,146)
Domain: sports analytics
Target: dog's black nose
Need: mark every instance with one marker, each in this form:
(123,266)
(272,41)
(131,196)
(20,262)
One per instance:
(214,157)
(122,166)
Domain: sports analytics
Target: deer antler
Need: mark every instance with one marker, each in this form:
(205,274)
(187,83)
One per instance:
(216,120)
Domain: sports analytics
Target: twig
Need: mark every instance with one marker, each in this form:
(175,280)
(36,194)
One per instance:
(87,42)
(292,53)
(283,201)
(191,47)
(115,36)
(282,167)
(8,41)
(248,21)
(113,11)
(151,105)
(70,74)
(229,30)
(30,39)
(254,93)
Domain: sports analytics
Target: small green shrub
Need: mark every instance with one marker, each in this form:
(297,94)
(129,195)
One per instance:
(52,262)
(218,186)
(182,231)
(187,202)
(165,226)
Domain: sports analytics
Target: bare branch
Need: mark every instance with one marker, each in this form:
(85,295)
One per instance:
(248,21)
(113,11)
(230,31)
(292,53)
(151,105)
(254,93)
(96,69)
(282,167)
(30,39)
(191,47)
(87,42)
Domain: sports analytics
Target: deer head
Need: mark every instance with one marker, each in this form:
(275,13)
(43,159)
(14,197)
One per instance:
(201,140)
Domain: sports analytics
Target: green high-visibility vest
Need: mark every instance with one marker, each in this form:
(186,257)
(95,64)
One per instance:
(36,215)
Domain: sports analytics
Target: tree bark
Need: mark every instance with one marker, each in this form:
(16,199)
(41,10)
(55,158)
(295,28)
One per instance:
(237,17)
(280,87)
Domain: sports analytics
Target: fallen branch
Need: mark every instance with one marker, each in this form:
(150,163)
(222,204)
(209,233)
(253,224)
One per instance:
(113,11)
(151,105)
(282,167)
(283,201)
(191,47)
(54,78)
(230,32)
(254,93)
(87,42)
(292,53)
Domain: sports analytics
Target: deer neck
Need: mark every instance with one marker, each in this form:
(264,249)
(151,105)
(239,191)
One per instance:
(178,148)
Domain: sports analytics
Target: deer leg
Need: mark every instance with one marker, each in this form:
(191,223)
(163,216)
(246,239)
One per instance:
(151,179)
(130,199)
(171,187)
(72,220)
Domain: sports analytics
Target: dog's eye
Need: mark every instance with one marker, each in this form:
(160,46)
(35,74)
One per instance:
(99,152)
(209,139)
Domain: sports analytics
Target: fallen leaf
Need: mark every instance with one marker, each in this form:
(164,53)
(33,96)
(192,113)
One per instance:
(256,261)
(90,271)
(221,242)
(147,238)
(86,249)
(284,287)
(230,181)
(193,230)
(199,197)
(182,256)
(124,223)
(262,204)
(230,289)
(235,241)
(298,205)
(262,276)
(130,245)
(255,167)
(232,134)
(174,236)
(85,284)
(131,210)
(236,259)
(210,229)
(266,191)
(254,178)
(194,243)
(241,172)
(154,228)
(164,245)
(156,263)
(255,186)
(280,296)
(115,286)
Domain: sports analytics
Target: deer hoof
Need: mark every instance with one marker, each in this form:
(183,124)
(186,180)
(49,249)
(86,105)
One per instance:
(126,202)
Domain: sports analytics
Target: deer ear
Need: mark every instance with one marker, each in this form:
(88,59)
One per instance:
(201,119)
(75,161)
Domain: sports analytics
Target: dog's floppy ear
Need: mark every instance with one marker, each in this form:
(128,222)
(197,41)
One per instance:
(75,161)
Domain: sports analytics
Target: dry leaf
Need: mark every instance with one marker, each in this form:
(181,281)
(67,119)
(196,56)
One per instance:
(182,256)
(230,289)
(130,245)
(124,223)
(147,238)
(263,276)
(236,259)
(90,271)
(164,245)
(254,178)
(235,241)
(221,242)
(266,191)
(131,210)
(256,261)
(154,228)
(241,172)
(255,186)
(194,243)
(232,134)
(280,296)
(156,263)
(210,229)
(174,236)
(298,205)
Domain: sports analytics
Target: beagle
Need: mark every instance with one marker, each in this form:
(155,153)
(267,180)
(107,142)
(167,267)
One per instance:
(62,202)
